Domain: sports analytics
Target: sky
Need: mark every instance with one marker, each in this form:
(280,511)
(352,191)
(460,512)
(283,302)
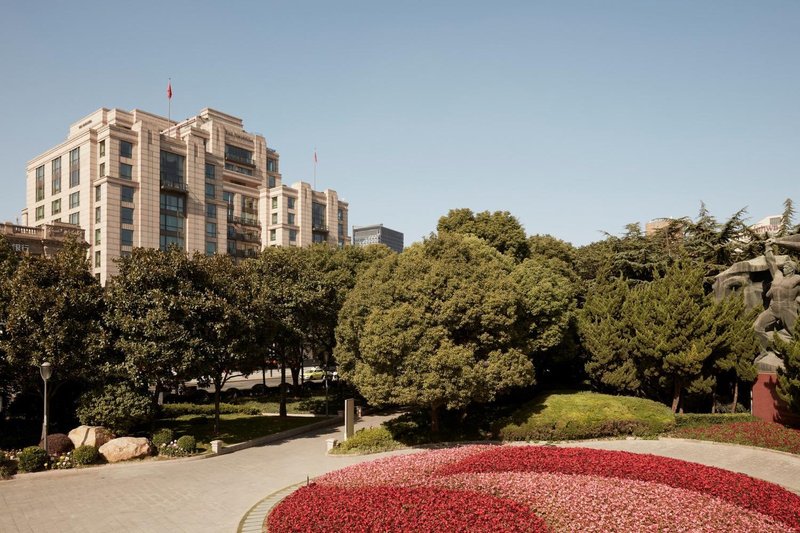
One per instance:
(576,117)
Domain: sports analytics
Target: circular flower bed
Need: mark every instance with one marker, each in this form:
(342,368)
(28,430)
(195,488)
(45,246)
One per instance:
(535,488)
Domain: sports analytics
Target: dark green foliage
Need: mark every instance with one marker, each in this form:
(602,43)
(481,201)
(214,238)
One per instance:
(162,437)
(706,419)
(116,407)
(788,388)
(368,440)
(8,467)
(187,444)
(85,455)
(32,459)
(58,443)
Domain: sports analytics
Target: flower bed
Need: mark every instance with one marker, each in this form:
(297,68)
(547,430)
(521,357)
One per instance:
(761,434)
(543,488)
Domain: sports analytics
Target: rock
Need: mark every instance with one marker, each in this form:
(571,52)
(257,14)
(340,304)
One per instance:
(125,448)
(92,435)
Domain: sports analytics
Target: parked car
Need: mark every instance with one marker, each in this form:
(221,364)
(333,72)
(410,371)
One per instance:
(318,374)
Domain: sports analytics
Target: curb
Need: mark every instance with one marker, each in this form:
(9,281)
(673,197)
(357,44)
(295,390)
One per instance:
(253,520)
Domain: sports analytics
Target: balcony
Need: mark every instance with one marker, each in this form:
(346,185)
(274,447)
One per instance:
(178,186)
(239,159)
(319,227)
(244,237)
(245,253)
(245,220)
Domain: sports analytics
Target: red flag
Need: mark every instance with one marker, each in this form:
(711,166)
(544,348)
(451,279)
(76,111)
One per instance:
(169,90)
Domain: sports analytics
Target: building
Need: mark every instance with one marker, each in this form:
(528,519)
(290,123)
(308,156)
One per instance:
(44,240)
(135,179)
(653,226)
(378,234)
(767,226)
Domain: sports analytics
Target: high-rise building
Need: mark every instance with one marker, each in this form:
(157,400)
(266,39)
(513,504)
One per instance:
(135,179)
(45,240)
(378,234)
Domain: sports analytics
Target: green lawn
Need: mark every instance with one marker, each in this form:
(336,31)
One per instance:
(234,428)
(581,415)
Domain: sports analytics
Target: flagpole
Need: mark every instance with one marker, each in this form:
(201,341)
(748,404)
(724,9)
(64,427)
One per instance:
(315,168)
(169,104)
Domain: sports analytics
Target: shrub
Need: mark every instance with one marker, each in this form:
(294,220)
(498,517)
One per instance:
(62,462)
(8,466)
(187,443)
(163,437)
(368,440)
(32,459)
(58,444)
(116,407)
(85,455)
(706,419)
(175,410)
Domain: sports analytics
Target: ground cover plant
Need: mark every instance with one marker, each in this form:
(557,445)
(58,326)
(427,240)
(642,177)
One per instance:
(368,440)
(569,489)
(753,433)
(565,415)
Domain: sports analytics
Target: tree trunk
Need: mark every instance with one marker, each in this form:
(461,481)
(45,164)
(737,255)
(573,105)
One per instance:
(676,395)
(217,391)
(435,419)
(282,410)
(735,396)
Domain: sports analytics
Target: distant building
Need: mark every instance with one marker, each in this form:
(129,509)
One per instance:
(767,226)
(135,179)
(656,224)
(44,240)
(378,234)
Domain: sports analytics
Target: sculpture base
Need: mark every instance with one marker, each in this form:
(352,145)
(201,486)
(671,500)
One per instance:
(767,405)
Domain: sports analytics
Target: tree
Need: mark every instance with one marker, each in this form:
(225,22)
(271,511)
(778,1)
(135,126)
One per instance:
(439,325)
(500,229)
(788,387)
(739,345)
(149,311)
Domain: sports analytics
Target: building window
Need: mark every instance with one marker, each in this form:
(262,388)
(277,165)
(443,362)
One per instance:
(274,218)
(40,212)
(292,235)
(126,193)
(165,241)
(56,176)
(341,230)
(55,207)
(171,223)
(97,236)
(291,219)
(290,203)
(126,237)
(97,215)
(125,253)
(272,181)
(318,238)
(74,200)
(125,149)
(125,171)
(275,202)
(126,215)
(102,169)
(211,172)
(211,229)
(75,167)
(240,155)
(40,183)
(173,203)
(272,234)
(75,218)
(98,194)
(317,216)
(97,259)
(272,165)
(211,211)
(228,197)
(211,191)
(211,248)
(172,167)
(339,214)
(102,148)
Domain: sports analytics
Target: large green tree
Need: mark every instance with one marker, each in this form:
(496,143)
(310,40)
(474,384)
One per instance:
(444,324)
(500,229)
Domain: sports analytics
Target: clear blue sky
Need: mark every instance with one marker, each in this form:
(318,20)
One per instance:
(574,116)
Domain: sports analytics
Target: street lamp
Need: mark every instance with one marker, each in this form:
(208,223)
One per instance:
(46,370)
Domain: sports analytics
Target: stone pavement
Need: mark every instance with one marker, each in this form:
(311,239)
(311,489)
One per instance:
(215,494)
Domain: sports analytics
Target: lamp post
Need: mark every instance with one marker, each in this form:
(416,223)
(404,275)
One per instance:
(46,370)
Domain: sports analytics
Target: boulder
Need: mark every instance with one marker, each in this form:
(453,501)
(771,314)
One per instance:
(125,448)
(91,435)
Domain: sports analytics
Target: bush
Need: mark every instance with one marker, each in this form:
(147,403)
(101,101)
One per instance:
(116,407)
(175,410)
(707,419)
(85,455)
(8,466)
(58,444)
(163,437)
(187,444)
(32,459)
(368,440)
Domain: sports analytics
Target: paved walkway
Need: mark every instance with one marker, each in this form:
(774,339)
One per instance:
(214,494)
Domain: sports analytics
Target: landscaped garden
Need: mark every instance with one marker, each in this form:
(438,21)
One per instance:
(535,488)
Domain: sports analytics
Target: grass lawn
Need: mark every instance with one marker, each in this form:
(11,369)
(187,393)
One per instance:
(566,415)
(233,428)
